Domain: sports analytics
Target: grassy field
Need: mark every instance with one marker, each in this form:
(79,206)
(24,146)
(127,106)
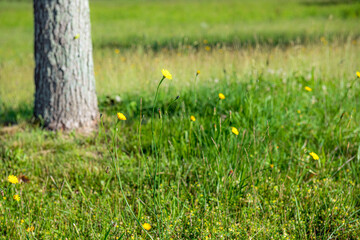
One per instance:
(288,73)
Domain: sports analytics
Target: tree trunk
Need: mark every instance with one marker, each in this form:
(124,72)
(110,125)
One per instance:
(65,95)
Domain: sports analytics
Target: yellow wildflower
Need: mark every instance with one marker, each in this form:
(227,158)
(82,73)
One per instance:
(358,74)
(16,197)
(30,229)
(117,51)
(272,165)
(323,40)
(308,89)
(235,131)
(146,226)
(121,116)
(314,156)
(166,74)
(221,96)
(207,48)
(198,72)
(13,179)
(192,118)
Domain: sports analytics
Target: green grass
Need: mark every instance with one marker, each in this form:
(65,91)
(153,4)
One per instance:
(212,184)
(260,183)
(156,24)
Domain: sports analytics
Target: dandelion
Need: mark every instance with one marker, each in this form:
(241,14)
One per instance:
(166,74)
(16,197)
(192,118)
(323,40)
(272,165)
(13,179)
(221,96)
(308,89)
(146,226)
(207,48)
(358,74)
(235,131)
(198,72)
(30,229)
(117,51)
(314,156)
(121,116)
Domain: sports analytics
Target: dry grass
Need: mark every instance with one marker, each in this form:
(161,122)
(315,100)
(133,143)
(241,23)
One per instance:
(137,71)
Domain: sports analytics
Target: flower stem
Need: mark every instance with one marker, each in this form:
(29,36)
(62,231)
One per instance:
(154,148)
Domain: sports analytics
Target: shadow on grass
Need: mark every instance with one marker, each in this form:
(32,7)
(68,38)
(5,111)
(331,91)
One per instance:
(327,2)
(201,100)
(14,115)
(234,41)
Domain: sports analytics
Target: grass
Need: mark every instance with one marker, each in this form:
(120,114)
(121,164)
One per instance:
(211,183)
(156,24)
(261,183)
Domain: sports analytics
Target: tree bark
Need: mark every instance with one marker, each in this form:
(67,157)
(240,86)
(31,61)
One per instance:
(65,95)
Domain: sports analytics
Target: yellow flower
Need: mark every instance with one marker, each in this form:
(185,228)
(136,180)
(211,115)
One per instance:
(16,197)
(121,116)
(308,89)
(166,74)
(272,165)
(198,72)
(192,118)
(314,156)
(30,229)
(146,226)
(207,48)
(235,131)
(13,179)
(221,96)
(358,74)
(117,51)
(323,40)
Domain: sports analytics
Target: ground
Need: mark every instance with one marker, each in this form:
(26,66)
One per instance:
(287,70)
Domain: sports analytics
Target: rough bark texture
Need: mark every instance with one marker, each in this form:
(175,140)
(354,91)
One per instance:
(65,95)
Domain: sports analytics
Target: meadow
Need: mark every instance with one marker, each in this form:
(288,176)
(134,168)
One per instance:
(290,170)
